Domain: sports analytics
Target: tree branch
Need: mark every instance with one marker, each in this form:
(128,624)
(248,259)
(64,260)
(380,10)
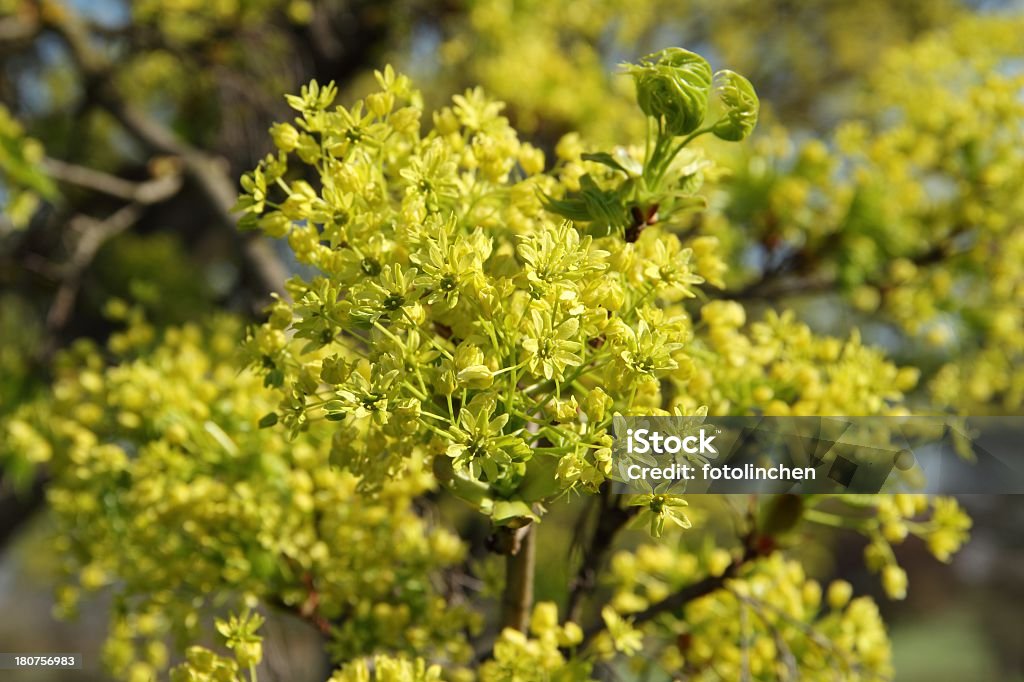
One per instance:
(517,597)
(158,189)
(675,602)
(612,518)
(804,279)
(92,234)
(774,287)
(209,172)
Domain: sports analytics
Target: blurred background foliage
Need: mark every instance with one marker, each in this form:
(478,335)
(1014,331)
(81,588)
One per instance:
(881,191)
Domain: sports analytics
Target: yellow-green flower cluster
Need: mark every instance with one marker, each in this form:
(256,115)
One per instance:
(537,655)
(167,493)
(549,60)
(944,531)
(911,210)
(187,22)
(887,520)
(452,314)
(241,637)
(204,665)
(769,622)
(456,331)
(953,164)
(779,367)
(388,669)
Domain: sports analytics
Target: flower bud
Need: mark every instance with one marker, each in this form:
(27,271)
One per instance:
(565,410)
(405,120)
(894,580)
(445,382)
(249,653)
(202,660)
(571,635)
(544,618)
(595,404)
(718,562)
(275,224)
(380,103)
(839,594)
(475,376)
(531,159)
(334,370)
(286,137)
(569,147)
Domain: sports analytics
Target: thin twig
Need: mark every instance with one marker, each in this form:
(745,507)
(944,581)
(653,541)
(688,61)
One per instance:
(786,654)
(152,191)
(92,235)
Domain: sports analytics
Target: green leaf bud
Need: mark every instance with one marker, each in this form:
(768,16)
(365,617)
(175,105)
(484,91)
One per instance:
(741,106)
(675,84)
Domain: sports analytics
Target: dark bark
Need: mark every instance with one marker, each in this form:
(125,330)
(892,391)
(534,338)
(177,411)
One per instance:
(17,508)
(612,518)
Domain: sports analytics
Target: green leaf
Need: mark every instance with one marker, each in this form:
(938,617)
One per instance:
(505,511)
(573,208)
(540,483)
(606,159)
(604,206)
(681,203)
